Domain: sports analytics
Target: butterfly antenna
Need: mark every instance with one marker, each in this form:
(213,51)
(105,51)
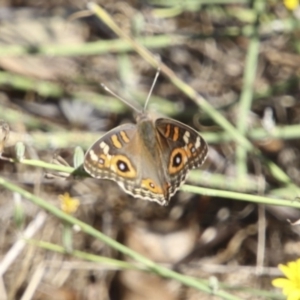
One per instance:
(118,97)
(152,87)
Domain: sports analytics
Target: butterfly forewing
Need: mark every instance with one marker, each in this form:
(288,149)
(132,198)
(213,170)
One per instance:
(104,160)
(187,150)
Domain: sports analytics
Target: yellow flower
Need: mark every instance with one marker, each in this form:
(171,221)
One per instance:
(291,4)
(290,285)
(68,204)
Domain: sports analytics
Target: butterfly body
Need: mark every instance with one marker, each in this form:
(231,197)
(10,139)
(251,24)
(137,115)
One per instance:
(149,159)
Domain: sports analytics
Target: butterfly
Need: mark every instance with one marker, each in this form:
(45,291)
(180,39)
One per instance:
(150,159)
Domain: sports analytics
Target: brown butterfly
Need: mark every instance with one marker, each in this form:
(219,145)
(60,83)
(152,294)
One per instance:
(150,159)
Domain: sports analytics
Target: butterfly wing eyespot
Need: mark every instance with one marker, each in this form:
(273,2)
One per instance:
(154,188)
(192,149)
(122,166)
(177,160)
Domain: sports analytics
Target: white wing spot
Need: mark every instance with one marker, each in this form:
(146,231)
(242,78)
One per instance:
(122,166)
(198,143)
(186,137)
(105,147)
(93,156)
(178,160)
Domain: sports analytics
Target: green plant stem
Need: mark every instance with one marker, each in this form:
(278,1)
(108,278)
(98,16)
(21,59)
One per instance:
(93,48)
(247,95)
(61,139)
(159,41)
(187,188)
(117,264)
(241,197)
(22,83)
